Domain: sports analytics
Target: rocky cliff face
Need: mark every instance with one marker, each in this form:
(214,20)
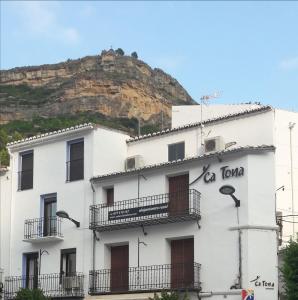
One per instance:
(113,85)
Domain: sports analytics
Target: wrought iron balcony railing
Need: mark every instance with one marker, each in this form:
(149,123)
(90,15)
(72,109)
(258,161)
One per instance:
(182,205)
(42,227)
(184,276)
(52,285)
(25,180)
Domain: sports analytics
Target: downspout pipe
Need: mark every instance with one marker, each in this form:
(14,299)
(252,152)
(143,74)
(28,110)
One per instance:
(93,236)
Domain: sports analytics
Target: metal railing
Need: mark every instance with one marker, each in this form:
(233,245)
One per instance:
(42,227)
(52,285)
(25,180)
(184,276)
(157,209)
(75,169)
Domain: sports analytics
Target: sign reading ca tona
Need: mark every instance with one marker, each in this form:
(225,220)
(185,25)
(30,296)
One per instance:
(133,212)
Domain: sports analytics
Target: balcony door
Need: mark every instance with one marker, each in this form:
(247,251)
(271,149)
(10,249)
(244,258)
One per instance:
(178,195)
(119,268)
(68,262)
(182,262)
(31,261)
(50,219)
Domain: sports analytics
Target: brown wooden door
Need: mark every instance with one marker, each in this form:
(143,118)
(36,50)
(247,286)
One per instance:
(178,195)
(182,261)
(119,268)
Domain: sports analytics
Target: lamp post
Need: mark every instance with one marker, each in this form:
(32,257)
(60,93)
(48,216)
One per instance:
(230,190)
(64,215)
(140,242)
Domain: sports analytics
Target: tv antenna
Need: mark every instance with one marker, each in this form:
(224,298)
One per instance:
(204,101)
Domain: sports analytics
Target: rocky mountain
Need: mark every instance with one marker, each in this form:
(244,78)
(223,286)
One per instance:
(110,84)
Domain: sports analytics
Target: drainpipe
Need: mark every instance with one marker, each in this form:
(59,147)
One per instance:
(291,126)
(94,236)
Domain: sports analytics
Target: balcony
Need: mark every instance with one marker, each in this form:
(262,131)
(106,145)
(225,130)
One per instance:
(184,276)
(157,209)
(52,285)
(42,230)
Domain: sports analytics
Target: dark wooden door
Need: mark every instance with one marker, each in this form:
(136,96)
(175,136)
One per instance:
(31,270)
(178,195)
(119,268)
(182,261)
(110,196)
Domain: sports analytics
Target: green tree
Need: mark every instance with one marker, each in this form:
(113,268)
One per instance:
(27,294)
(289,270)
(120,52)
(134,54)
(4,157)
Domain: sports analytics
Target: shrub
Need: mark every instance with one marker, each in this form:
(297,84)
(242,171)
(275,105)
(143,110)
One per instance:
(120,52)
(27,294)
(134,54)
(290,270)
(169,296)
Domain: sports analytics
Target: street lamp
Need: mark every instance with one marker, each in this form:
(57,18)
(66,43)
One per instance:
(64,215)
(230,190)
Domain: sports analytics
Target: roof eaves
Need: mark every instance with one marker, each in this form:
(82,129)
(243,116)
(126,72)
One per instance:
(178,162)
(49,135)
(209,121)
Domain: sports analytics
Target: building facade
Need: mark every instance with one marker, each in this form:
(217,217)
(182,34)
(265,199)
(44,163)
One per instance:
(192,208)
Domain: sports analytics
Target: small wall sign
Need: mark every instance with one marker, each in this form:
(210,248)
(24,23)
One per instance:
(226,172)
(258,282)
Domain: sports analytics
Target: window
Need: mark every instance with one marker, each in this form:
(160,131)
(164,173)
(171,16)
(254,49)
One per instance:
(68,262)
(176,151)
(110,196)
(31,270)
(75,163)
(25,181)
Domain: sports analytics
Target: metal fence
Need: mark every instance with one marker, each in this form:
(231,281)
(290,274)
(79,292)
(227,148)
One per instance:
(52,285)
(42,227)
(184,276)
(156,209)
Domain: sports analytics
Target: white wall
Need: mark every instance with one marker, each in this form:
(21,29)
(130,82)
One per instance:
(249,130)
(283,169)
(73,197)
(216,243)
(109,151)
(5,209)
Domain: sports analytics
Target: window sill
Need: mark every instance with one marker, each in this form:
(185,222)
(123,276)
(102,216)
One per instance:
(76,180)
(23,190)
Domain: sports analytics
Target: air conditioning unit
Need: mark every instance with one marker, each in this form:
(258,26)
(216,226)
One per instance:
(214,144)
(70,282)
(134,162)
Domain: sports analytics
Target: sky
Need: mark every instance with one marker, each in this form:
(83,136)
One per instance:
(245,51)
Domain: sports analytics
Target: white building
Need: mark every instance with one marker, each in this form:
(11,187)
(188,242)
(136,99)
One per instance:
(158,221)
